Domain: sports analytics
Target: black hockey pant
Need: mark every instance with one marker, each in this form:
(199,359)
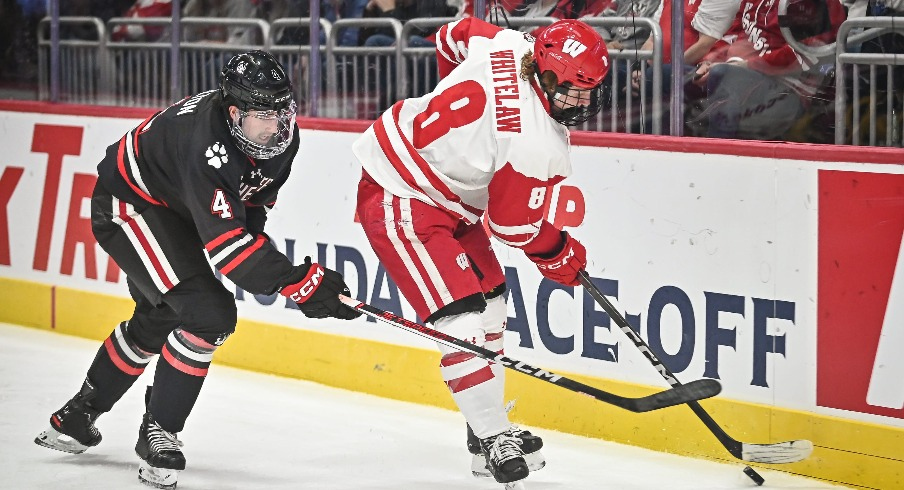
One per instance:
(182,312)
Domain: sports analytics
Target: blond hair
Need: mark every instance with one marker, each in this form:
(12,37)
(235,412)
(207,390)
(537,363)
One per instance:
(548,79)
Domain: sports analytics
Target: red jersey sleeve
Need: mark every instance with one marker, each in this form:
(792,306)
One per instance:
(453,38)
(515,212)
(783,59)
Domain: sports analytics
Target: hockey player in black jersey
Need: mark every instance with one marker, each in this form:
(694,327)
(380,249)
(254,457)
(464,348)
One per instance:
(198,176)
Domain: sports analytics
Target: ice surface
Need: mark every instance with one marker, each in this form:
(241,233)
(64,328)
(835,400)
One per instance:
(253,431)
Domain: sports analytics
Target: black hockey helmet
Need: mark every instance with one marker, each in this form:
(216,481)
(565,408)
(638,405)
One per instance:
(256,81)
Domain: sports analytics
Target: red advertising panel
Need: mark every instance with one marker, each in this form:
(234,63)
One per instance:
(860,351)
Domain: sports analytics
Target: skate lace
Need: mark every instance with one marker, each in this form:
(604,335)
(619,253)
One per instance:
(160,440)
(504,448)
(515,431)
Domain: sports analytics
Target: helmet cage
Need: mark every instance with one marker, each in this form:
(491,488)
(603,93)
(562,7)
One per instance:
(281,139)
(256,81)
(571,106)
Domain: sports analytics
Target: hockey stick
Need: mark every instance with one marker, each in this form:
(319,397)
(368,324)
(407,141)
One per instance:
(780,452)
(690,392)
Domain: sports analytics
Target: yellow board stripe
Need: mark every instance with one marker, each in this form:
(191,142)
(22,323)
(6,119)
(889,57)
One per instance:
(848,452)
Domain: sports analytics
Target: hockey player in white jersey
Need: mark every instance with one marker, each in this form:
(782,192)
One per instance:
(488,142)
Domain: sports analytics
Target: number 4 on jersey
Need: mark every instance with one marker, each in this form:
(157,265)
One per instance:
(220,205)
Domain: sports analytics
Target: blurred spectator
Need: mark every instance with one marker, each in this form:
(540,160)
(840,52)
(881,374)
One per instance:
(10,20)
(499,11)
(143,32)
(466,7)
(874,8)
(402,10)
(107,9)
(19,47)
(32,8)
(82,31)
(219,33)
(763,87)
(272,10)
(423,79)
(345,9)
(892,42)
(876,109)
(560,9)
(705,22)
(630,35)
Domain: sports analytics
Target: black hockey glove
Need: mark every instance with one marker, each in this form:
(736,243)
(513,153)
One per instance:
(316,290)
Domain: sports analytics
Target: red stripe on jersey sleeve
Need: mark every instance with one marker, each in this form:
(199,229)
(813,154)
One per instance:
(456,35)
(120,160)
(547,240)
(216,242)
(242,256)
(510,194)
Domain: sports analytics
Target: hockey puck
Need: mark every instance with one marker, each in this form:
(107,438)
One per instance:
(759,480)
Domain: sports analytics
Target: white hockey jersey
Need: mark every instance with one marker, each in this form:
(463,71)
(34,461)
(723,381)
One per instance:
(481,142)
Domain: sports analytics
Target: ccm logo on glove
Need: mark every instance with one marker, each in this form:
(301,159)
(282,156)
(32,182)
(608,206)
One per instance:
(304,289)
(316,289)
(559,263)
(563,266)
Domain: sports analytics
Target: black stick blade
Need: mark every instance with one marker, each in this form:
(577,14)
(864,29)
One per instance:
(679,395)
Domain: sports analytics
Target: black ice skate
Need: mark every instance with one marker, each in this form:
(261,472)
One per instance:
(161,457)
(530,445)
(504,458)
(72,427)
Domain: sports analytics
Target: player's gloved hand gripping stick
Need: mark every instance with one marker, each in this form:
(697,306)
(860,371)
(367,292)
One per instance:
(316,290)
(780,452)
(695,390)
(563,266)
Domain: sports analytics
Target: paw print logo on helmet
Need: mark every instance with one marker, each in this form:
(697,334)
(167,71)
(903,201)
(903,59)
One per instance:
(216,155)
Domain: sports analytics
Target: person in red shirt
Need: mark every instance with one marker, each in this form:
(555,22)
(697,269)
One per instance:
(705,22)
(498,11)
(143,32)
(759,86)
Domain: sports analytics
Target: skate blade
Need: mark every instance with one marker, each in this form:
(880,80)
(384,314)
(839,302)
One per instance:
(535,461)
(157,477)
(517,485)
(53,439)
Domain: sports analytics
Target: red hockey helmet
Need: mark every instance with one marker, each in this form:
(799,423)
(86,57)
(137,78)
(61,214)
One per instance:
(578,56)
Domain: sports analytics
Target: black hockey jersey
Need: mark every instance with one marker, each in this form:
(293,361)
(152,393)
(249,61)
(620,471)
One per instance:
(184,158)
